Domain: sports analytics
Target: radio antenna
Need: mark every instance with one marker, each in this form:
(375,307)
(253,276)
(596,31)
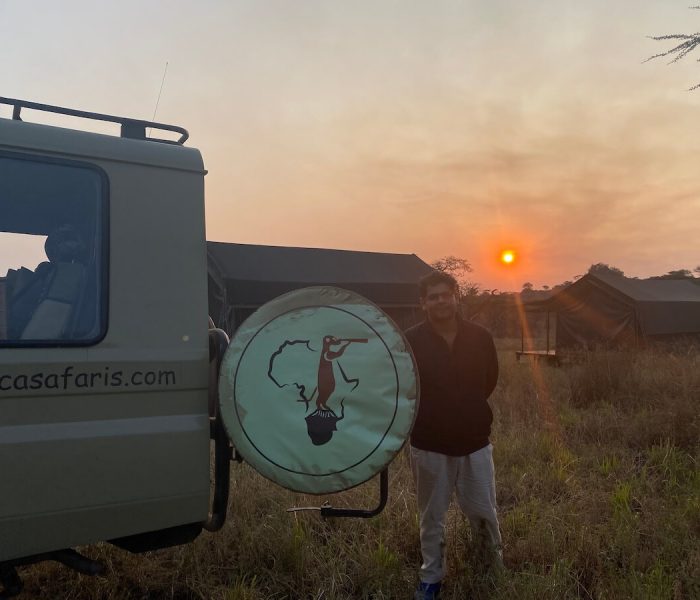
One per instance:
(160,91)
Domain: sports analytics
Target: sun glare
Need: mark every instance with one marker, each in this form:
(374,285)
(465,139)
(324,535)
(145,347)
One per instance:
(507,257)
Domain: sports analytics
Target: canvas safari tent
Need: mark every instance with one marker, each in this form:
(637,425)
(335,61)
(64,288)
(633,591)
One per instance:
(609,309)
(243,277)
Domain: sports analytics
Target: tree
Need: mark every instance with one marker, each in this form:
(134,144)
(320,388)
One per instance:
(605,268)
(471,288)
(677,274)
(458,268)
(527,286)
(455,266)
(562,285)
(687,43)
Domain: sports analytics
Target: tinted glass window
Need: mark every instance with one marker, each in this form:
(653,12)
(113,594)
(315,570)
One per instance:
(52,252)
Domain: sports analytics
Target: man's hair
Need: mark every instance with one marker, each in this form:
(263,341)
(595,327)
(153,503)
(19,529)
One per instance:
(436,278)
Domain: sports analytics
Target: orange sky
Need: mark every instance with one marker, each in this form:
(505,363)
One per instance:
(433,128)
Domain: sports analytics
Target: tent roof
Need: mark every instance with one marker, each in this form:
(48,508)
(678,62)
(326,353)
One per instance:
(651,290)
(258,273)
(634,290)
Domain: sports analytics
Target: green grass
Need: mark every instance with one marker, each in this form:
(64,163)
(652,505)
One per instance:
(598,486)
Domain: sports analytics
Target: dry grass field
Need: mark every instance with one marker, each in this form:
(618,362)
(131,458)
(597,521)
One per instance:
(598,487)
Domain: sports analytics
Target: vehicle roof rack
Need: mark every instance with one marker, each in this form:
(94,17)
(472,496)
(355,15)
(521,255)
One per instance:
(134,129)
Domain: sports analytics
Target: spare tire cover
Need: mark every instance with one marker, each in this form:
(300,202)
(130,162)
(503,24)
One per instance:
(318,390)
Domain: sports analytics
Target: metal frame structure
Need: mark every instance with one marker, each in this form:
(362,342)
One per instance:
(134,129)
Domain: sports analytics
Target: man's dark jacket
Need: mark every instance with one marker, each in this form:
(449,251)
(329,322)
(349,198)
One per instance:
(454,417)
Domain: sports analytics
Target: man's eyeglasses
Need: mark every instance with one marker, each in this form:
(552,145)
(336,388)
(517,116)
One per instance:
(440,296)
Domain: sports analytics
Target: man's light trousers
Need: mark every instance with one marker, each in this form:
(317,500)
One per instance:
(437,476)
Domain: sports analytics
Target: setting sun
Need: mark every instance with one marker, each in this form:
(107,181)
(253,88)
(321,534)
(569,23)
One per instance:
(508,257)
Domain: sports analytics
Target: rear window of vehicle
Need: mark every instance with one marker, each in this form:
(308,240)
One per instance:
(53,252)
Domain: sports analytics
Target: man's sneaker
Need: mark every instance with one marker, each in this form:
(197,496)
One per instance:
(427,591)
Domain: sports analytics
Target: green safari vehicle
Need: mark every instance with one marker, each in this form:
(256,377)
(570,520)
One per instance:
(109,365)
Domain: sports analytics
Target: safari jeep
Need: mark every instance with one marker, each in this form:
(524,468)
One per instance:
(111,391)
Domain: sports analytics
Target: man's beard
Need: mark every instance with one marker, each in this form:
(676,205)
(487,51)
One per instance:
(443,314)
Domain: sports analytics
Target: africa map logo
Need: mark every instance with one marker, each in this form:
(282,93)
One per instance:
(314,376)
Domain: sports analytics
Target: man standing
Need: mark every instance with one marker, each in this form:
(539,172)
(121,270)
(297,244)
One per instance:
(450,449)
